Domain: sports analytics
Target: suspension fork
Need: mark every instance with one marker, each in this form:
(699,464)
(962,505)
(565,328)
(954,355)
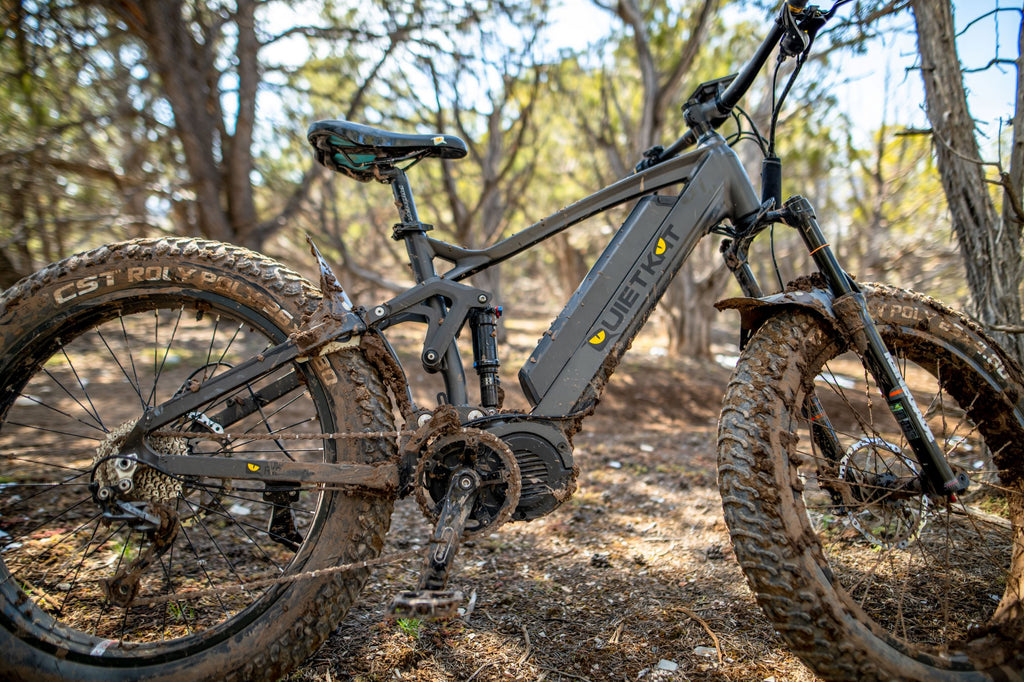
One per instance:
(851,308)
(823,435)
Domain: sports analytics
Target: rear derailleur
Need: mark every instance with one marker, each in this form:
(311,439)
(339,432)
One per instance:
(467,481)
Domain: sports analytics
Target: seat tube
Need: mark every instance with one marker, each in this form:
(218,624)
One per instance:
(421,258)
(411,229)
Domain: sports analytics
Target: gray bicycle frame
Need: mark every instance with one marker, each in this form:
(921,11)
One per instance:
(615,298)
(623,287)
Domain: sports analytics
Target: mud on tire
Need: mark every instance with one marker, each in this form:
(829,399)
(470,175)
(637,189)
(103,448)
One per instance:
(85,346)
(863,579)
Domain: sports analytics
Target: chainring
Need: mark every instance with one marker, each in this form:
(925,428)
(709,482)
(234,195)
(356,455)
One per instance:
(493,462)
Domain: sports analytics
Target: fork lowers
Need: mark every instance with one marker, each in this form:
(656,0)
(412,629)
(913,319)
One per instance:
(851,309)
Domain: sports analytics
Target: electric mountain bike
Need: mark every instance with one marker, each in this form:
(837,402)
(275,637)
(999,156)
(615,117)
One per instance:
(200,450)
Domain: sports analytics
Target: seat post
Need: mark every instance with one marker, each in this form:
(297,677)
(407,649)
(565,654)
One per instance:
(421,258)
(411,229)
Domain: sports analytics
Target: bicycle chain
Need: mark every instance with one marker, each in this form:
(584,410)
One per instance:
(270,582)
(337,435)
(305,575)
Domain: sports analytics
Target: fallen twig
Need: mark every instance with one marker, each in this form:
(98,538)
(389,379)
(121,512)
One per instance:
(707,628)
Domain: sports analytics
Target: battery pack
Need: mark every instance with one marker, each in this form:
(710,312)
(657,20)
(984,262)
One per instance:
(605,308)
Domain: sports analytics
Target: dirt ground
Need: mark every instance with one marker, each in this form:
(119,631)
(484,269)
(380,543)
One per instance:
(632,579)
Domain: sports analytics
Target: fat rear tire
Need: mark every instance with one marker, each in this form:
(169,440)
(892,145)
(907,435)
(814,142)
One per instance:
(79,306)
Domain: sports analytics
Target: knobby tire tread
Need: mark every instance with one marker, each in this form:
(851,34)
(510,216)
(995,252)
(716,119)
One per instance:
(791,586)
(312,607)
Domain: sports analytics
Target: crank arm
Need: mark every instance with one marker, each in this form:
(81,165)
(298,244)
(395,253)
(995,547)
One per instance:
(382,477)
(451,522)
(431,601)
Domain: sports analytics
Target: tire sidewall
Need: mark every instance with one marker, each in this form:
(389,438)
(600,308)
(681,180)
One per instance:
(304,611)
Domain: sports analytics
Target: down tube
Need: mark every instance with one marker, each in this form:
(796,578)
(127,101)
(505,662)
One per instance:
(566,372)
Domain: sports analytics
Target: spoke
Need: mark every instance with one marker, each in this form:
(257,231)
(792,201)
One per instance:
(91,410)
(227,561)
(213,337)
(47,487)
(180,605)
(98,426)
(230,343)
(58,516)
(78,569)
(36,427)
(244,527)
(158,370)
(117,360)
(62,413)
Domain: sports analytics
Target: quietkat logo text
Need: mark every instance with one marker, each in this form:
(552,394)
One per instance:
(632,292)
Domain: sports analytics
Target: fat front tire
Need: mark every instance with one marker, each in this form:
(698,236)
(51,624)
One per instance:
(86,346)
(863,575)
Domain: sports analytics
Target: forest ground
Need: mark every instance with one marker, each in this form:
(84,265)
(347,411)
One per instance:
(633,578)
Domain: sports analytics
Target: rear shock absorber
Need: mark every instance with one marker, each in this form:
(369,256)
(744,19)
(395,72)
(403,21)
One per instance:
(484,325)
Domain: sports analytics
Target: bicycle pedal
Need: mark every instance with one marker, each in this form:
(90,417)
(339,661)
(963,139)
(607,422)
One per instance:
(426,604)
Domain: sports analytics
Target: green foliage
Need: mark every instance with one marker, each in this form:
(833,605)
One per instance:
(410,626)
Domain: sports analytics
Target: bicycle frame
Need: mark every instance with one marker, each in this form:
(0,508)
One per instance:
(620,291)
(565,373)
(715,188)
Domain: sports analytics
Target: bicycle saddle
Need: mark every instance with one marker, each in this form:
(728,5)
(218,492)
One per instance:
(358,150)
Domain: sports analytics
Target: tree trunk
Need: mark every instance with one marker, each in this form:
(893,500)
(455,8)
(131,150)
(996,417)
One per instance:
(990,247)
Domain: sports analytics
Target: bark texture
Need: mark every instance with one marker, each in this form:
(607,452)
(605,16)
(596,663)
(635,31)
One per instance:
(989,244)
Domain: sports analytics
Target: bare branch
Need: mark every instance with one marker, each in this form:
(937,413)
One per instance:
(995,61)
(986,15)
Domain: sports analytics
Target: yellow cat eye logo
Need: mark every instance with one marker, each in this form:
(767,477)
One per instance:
(598,338)
(253,467)
(660,248)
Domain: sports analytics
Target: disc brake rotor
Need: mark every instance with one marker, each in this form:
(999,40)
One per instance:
(877,473)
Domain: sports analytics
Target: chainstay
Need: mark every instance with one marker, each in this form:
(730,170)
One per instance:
(280,580)
(337,435)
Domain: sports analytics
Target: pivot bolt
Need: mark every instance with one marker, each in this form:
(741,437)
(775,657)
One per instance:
(379,311)
(431,356)
(103,494)
(124,464)
(474,414)
(124,485)
(423,419)
(482,298)
(466,482)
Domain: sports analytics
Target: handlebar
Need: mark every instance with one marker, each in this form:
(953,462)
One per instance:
(716,111)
